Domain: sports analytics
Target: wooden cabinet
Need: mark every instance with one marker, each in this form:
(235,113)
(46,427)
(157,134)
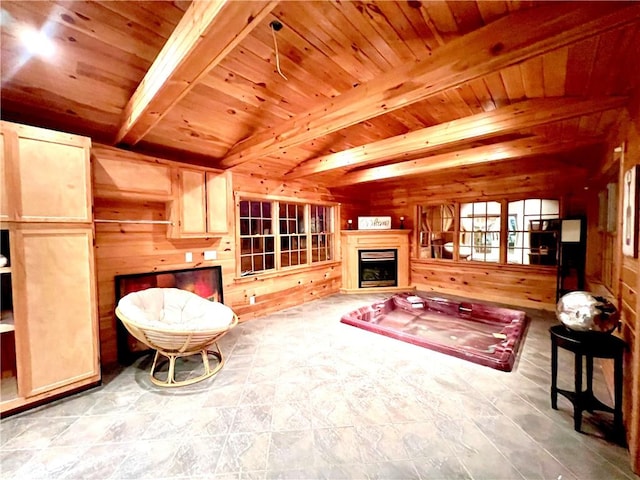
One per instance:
(48,287)
(119,174)
(47,175)
(201,203)
(54,307)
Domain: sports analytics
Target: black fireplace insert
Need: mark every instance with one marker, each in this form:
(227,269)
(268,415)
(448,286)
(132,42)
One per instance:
(378,268)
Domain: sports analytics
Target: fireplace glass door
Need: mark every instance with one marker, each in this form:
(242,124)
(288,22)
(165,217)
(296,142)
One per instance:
(378,268)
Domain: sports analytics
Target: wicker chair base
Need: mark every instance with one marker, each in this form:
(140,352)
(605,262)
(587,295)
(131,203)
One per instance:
(171,357)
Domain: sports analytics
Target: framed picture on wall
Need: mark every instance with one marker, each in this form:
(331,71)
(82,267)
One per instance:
(630,206)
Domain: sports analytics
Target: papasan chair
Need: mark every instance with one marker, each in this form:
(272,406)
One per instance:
(176,323)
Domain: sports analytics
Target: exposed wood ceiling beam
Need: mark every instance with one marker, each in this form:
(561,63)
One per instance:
(508,119)
(207,32)
(532,32)
(472,156)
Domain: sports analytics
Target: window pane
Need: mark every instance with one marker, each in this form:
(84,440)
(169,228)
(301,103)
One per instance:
(533,239)
(245,246)
(437,231)
(270,262)
(244,226)
(269,244)
(480,231)
(245,264)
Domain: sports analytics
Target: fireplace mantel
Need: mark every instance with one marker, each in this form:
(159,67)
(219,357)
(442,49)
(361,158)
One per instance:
(352,241)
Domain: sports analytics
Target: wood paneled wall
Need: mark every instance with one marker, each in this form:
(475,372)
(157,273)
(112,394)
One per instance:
(517,285)
(124,248)
(626,271)
(629,287)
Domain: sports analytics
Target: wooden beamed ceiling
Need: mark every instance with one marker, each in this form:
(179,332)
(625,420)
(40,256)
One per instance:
(373,90)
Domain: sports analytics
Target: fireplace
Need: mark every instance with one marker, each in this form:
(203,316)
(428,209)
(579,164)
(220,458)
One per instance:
(375,260)
(378,268)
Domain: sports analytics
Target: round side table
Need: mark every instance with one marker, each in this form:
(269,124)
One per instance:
(589,345)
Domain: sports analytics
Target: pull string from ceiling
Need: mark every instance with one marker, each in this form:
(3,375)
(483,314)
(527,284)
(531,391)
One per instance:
(275,27)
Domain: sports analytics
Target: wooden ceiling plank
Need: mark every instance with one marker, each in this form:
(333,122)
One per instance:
(418,18)
(580,63)
(532,79)
(490,11)
(508,119)
(204,36)
(609,66)
(467,15)
(355,13)
(442,18)
(512,80)
(314,41)
(481,91)
(361,44)
(470,98)
(625,82)
(311,85)
(496,88)
(554,69)
(403,28)
(472,156)
(531,33)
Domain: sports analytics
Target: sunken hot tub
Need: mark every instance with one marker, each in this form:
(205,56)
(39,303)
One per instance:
(476,332)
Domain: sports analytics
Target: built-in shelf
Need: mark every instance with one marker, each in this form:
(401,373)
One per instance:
(6,321)
(5,269)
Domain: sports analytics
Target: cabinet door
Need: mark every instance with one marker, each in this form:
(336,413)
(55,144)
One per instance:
(49,176)
(54,308)
(218,202)
(200,207)
(193,218)
(115,175)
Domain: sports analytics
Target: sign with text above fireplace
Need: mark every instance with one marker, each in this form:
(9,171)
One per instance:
(374,223)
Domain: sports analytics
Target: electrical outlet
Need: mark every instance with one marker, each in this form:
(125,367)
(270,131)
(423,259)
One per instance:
(252,300)
(210,254)
(188,257)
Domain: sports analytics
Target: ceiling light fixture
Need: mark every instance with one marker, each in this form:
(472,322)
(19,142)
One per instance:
(276,27)
(36,42)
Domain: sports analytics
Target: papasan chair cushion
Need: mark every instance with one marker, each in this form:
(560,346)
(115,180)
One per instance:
(176,323)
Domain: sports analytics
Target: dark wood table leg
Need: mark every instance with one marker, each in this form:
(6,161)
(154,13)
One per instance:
(617,376)
(554,373)
(577,405)
(589,393)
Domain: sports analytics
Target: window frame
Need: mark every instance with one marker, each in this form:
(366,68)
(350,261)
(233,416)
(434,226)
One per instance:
(503,233)
(304,229)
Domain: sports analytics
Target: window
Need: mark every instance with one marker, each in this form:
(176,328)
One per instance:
(279,234)
(437,231)
(257,240)
(534,227)
(293,241)
(528,230)
(321,233)
(480,231)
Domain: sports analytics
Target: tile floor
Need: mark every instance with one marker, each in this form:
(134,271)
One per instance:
(303,396)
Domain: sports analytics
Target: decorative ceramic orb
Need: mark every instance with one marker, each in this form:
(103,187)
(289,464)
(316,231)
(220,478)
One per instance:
(583,312)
